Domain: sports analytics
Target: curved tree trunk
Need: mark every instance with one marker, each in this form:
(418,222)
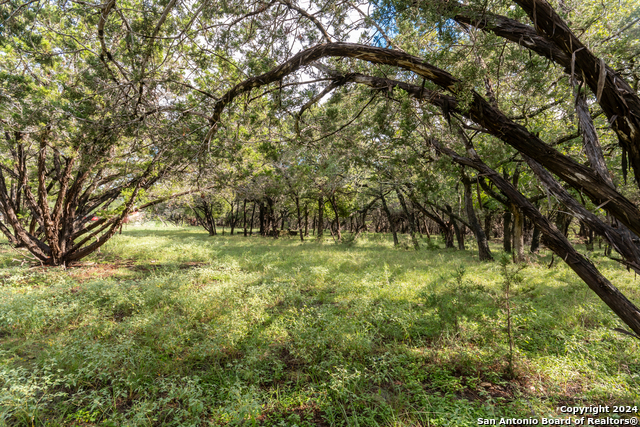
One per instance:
(557,242)
(618,100)
(480,111)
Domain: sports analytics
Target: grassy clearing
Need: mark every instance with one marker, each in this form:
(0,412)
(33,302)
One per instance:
(172,327)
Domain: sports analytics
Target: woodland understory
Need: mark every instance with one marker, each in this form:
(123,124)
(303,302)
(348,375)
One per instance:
(167,325)
(500,127)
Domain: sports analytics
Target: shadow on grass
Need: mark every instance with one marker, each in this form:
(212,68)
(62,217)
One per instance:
(235,330)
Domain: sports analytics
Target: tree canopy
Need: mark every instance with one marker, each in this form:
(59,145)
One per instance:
(456,113)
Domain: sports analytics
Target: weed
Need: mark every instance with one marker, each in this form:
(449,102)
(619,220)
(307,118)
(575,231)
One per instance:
(169,326)
(511,278)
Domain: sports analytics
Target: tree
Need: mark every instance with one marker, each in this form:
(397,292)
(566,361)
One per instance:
(150,73)
(85,138)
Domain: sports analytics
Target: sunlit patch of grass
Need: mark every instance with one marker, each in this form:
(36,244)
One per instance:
(168,326)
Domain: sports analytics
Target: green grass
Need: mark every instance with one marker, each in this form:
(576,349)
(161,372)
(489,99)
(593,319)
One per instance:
(169,326)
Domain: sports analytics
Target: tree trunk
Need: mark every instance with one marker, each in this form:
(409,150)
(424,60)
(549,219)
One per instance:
(458,234)
(299,219)
(333,202)
(558,243)
(272,221)
(262,218)
(535,240)
(563,221)
(391,223)
(244,217)
(518,234)
(253,211)
(445,228)
(621,238)
(487,224)
(411,219)
(588,238)
(506,227)
(320,216)
(482,112)
(618,100)
(456,229)
(232,219)
(484,253)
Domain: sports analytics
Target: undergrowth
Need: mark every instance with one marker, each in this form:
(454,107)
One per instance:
(172,327)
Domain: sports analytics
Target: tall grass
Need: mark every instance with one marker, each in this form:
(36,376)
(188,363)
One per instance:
(168,326)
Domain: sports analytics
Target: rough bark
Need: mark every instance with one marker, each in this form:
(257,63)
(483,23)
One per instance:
(518,234)
(484,253)
(617,98)
(555,41)
(480,111)
(590,140)
(619,238)
(61,232)
(556,241)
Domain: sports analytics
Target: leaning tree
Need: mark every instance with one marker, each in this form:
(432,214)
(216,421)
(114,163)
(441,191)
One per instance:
(462,106)
(473,72)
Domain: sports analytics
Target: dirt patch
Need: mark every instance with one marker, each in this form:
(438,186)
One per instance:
(486,389)
(193,264)
(309,412)
(83,272)
(87,271)
(153,267)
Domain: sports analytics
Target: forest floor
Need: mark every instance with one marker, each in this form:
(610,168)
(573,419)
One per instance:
(168,326)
